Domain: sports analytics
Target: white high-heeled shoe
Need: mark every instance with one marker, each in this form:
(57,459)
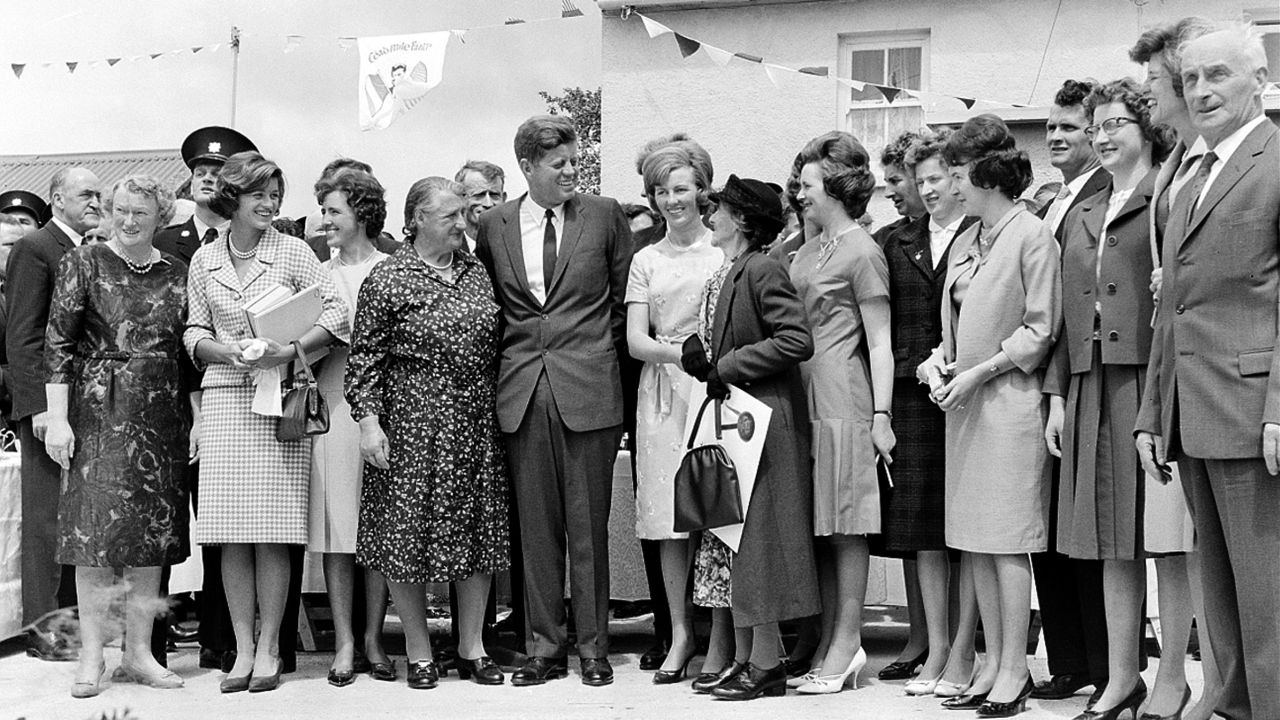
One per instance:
(813,674)
(948,689)
(922,687)
(828,684)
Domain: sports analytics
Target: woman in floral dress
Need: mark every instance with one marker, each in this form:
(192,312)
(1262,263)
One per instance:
(118,419)
(663,295)
(422,383)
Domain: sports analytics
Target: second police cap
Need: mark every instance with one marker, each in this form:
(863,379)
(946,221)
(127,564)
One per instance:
(21,200)
(214,144)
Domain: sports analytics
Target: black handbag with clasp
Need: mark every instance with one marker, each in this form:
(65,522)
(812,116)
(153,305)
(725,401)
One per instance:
(304,410)
(706,488)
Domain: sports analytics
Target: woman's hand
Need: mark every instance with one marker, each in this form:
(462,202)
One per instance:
(275,354)
(374,448)
(1053,428)
(957,393)
(60,441)
(882,436)
(193,441)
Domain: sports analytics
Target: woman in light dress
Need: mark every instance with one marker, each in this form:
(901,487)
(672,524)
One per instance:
(353,211)
(663,296)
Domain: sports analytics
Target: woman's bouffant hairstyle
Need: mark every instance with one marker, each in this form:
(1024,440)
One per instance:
(660,163)
(928,145)
(245,172)
(1167,39)
(424,193)
(895,153)
(846,171)
(542,133)
(1129,93)
(149,187)
(364,194)
(986,142)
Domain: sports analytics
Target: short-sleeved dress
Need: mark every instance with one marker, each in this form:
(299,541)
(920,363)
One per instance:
(336,465)
(115,336)
(424,359)
(253,488)
(670,280)
(833,279)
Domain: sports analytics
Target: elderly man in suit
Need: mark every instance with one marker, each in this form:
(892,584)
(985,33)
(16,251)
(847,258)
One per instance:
(485,183)
(1212,399)
(74,195)
(559,262)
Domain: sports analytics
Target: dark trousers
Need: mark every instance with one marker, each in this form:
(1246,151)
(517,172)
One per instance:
(46,585)
(1235,505)
(563,484)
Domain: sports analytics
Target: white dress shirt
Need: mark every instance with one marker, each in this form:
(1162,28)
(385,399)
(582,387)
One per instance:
(532,226)
(76,238)
(201,228)
(1071,191)
(940,237)
(1225,149)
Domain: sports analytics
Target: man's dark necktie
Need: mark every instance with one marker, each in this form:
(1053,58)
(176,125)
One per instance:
(548,252)
(209,236)
(1198,182)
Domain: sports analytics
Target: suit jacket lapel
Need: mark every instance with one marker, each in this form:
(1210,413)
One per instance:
(514,243)
(188,241)
(958,257)
(1241,162)
(719,324)
(1139,199)
(1093,215)
(574,221)
(914,243)
(64,241)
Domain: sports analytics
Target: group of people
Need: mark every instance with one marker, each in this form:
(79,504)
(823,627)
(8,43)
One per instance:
(988,390)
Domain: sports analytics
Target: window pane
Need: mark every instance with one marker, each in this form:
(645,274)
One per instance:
(904,68)
(867,66)
(1271,41)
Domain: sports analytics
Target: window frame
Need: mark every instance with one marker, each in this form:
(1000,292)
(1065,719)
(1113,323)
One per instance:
(849,42)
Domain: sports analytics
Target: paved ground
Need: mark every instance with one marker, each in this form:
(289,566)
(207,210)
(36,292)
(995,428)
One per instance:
(40,691)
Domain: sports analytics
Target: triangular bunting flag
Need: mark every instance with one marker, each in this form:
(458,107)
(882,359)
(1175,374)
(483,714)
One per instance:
(17,69)
(968,102)
(912,93)
(721,57)
(855,84)
(688,46)
(46,65)
(774,72)
(195,50)
(889,93)
(513,21)
(71,66)
(111,62)
(653,27)
(820,71)
(749,58)
(292,42)
(155,55)
(569,9)
(346,42)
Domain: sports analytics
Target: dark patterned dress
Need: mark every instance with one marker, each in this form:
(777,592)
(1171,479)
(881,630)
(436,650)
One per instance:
(424,360)
(115,336)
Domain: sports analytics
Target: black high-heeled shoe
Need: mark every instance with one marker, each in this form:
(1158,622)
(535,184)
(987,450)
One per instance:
(965,702)
(483,669)
(905,669)
(423,674)
(670,677)
(1131,702)
(1008,709)
(708,681)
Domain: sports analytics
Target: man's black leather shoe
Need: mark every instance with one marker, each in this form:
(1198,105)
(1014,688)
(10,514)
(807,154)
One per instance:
(653,658)
(596,671)
(538,670)
(49,646)
(1060,687)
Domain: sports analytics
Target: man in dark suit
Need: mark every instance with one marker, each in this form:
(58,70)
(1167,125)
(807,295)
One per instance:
(486,188)
(559,263)
(1212,400)
(1070,591)
(74,195)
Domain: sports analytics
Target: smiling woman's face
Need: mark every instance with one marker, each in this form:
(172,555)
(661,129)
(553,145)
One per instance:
(134,218)
(258,208)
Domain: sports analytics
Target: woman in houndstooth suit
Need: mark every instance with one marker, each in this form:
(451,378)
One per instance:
(253,488)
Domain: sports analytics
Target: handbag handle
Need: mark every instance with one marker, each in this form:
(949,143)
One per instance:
(306,366)
(697,422)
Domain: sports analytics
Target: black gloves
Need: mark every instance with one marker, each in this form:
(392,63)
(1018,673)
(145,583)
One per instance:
(693,358)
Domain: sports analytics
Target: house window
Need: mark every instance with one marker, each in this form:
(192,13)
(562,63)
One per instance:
(893,66)
(899,59)
(1267,21)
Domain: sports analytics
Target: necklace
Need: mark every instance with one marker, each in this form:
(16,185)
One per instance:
(445,266)
(139,268)
(828,247)
(241,254)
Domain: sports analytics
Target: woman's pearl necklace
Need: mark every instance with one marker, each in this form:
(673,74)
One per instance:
(241,254)
(139,268)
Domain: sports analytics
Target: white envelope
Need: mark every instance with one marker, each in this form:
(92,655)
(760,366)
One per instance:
(743,442)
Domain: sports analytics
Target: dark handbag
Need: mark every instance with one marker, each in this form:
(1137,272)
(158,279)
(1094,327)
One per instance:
(304,410)
(706,487)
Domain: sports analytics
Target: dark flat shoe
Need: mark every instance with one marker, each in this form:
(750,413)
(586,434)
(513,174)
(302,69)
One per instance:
(706,682)
(422,675)
(596,672)
(385,671)
(483,670)
(341,678)
(538,670)
(965,702)
(905,669)
(753,682)
(1060,687)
